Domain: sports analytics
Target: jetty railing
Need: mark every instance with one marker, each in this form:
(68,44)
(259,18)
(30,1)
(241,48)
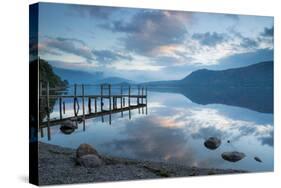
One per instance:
(95,100)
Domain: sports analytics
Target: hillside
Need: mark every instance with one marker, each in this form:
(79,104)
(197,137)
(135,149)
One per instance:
(46,73)
(260,74)
(256,75)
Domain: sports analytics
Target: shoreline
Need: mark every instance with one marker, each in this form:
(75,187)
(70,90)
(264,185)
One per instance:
(57,165)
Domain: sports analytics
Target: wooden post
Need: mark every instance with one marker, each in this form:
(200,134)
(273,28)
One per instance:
(146,100)
(129,101)
(83,106)
(95,105)
(89,105)
(48,112)
(60,103)
(109,93)
(101,103)
(63,104)
(121,100)
(138,99)
(142,95)
(74,100)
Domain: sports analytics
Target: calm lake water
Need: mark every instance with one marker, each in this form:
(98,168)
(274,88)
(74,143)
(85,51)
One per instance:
(174,130)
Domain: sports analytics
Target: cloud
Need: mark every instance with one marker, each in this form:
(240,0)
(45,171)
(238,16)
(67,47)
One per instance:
(248,43)
(67,45)
(99,12)
(149,30)
(268,32)
(153,144)
(107,56)
(59,45)
(244,59)
(267,140)
(210,39)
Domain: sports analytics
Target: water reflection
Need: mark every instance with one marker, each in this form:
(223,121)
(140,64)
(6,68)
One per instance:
(174,131)
(254,98)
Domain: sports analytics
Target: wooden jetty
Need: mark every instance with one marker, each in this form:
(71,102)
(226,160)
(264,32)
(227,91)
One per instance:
(103,102)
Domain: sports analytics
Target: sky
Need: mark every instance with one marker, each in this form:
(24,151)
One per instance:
(150,44)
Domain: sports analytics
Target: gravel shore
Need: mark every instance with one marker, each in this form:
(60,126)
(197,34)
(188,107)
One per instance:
(57,165)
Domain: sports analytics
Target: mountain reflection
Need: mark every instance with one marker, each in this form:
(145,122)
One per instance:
(254,98)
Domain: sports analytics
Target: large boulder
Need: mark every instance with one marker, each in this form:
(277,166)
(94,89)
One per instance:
(87,156)
(90,161)
(212,143)
(233,156)
(85,149)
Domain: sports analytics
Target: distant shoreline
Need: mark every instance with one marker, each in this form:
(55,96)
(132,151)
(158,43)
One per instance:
(57,165)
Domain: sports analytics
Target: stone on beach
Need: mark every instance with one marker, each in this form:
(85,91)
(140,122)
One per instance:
(258,159)
(90,161)
(85,149)
(233,156)
(87,156)
(212,143)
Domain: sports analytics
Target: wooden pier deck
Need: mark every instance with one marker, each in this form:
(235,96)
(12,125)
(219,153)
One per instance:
(116,103)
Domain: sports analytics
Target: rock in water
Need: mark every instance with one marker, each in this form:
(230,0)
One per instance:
(212,143)
(90,161)
(68,127)
(233,156)
(85,149)
(258,159)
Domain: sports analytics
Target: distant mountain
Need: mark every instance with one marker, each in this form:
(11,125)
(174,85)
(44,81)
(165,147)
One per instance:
(256,75)
(83,77)
(78,77)
(115,80)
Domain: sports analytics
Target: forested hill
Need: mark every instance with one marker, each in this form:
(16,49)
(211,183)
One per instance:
(46,73)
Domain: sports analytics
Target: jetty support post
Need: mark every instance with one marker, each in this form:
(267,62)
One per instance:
(101,101)
(83,106)
(146,100)
(95,105)
(121,100)
(63,105)
(48,111)
(89,105)
(129,101)
(109,97)
(60,103)
(142,96)
(74,100)
(138,99)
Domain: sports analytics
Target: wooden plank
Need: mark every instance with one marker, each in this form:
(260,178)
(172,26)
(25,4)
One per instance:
(92,96)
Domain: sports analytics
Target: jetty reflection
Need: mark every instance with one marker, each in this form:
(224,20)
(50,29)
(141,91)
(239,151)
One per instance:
(87,101)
